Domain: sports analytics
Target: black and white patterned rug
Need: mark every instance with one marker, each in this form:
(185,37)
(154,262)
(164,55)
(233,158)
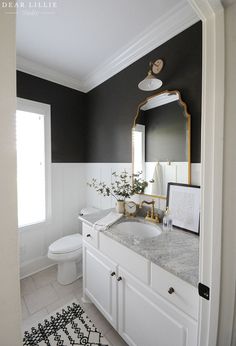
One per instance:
(71,326)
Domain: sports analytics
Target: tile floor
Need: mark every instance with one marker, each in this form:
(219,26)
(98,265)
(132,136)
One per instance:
(41,294)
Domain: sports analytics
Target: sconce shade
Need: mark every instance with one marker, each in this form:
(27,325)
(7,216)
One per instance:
(150,83)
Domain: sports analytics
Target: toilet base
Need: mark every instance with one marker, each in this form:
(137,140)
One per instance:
(68,272)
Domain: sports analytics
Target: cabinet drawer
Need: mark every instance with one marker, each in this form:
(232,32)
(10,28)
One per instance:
(90,235)
(185,296)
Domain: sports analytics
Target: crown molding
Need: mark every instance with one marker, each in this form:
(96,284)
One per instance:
(41,71)
(179,18)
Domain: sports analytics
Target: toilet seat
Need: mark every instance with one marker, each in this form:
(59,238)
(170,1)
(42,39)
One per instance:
(66,244)
(66,257)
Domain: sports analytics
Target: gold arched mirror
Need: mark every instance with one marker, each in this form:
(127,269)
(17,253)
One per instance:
(161,142)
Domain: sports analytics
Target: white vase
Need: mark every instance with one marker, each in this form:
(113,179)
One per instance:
(120,207)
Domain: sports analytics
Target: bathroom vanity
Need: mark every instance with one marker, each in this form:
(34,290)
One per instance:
(145,287)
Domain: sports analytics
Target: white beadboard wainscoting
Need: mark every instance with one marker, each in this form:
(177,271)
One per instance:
(173,171)
(68,190)
(70,194)
(103,171)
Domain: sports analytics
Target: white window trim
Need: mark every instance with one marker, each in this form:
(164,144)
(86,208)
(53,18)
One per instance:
(45,109)
(141,128)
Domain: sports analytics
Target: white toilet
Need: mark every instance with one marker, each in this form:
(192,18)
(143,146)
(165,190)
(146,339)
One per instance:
(67,253)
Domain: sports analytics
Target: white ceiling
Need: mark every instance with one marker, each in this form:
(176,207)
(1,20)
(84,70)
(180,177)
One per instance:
(81,43)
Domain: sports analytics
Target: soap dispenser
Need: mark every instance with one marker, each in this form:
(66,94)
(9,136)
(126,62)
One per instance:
(166,220)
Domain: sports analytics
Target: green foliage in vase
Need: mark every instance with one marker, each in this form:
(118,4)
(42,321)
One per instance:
(123,185)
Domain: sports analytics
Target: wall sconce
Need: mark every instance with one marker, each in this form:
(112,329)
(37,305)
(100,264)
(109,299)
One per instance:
(151,82)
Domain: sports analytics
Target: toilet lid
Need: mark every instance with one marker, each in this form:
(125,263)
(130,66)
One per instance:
(66,244)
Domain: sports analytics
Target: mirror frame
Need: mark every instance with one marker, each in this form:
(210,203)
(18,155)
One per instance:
(188,117)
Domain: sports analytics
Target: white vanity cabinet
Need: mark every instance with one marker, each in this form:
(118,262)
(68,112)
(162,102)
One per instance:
(145,318)
(134,301)
(100,285)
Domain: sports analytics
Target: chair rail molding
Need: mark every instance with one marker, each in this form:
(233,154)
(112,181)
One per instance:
(212,15)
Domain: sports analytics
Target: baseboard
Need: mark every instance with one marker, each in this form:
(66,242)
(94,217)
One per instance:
(35,266)
(85,300)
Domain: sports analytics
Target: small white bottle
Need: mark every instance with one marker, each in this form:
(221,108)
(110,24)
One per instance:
(166,220)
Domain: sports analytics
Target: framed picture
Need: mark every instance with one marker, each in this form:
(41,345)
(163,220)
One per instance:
(183,202)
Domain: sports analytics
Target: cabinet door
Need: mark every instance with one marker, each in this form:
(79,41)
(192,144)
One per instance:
(145,318)
(100,283)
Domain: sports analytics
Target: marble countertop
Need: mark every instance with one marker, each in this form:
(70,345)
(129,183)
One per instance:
(176,251)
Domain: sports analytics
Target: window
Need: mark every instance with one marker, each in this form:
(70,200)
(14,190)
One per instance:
(33,162)
(139,148)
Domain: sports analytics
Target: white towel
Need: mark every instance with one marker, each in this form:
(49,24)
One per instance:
(169,175)
(158,180)
(88,210)
(107,221)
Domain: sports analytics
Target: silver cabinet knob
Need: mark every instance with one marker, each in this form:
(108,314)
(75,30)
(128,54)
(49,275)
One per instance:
(171,290)
(119,278)
(88,235)
(113,273)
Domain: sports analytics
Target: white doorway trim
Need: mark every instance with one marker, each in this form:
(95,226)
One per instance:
(212,15)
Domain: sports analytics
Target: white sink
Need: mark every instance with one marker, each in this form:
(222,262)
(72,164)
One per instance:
(139,229)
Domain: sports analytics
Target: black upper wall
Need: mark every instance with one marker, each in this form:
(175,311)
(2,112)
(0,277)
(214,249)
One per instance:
(67,115)
(96,127)
(113,104)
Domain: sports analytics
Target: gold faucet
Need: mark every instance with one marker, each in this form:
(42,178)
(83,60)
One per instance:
(151,215)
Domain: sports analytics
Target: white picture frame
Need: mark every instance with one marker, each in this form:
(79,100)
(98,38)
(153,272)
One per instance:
(183,202)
